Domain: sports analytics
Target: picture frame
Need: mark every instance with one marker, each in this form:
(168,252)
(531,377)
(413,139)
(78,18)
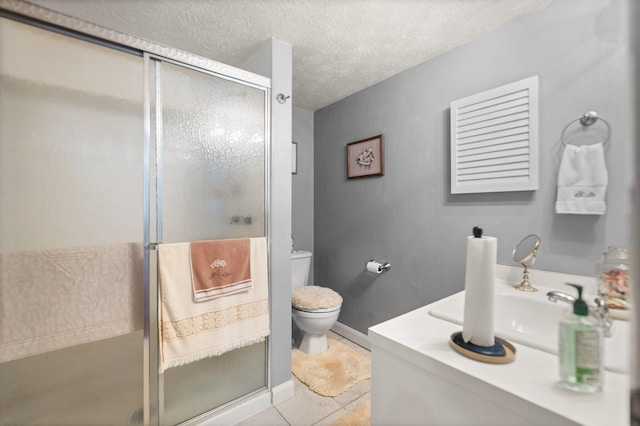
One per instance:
(294,158)
(365,157)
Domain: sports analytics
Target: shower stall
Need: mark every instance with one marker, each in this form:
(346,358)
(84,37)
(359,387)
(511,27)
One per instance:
(109,146)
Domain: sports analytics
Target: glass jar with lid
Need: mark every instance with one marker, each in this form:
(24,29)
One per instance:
(614,277)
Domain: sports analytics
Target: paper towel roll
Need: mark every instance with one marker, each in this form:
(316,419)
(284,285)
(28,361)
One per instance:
(479,285)
(374,267)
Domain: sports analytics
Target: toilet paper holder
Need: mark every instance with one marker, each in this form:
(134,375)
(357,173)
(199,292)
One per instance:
(386,266)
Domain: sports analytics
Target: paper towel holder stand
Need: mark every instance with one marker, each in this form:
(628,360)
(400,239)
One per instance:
(502,352)
(525,254)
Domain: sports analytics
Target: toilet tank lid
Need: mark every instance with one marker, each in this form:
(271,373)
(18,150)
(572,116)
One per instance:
(300,254)
(315,297)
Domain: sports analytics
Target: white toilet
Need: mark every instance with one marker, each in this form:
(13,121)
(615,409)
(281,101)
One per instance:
(314,309)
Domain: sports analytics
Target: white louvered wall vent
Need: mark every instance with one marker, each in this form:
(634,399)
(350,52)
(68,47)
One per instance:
(494,140)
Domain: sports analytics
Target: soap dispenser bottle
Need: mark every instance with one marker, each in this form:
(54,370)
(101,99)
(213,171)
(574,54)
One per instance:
(580,348)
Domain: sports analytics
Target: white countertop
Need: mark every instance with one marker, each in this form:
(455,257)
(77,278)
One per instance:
(532,378)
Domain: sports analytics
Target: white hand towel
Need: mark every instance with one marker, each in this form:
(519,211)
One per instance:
(582,180)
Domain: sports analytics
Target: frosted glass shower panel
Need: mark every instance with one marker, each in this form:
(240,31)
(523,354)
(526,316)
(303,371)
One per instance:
(71,133)
(211,146)
(213,157)
(71,229)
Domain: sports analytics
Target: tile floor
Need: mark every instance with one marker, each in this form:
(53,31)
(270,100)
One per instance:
(307,408)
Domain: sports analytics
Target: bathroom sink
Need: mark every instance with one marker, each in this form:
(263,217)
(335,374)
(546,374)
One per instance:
(532,320)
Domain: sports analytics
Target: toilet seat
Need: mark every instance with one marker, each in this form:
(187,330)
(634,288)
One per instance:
(314,298)
(317,311)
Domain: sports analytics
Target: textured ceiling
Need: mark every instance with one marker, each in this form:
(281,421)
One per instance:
(339,46)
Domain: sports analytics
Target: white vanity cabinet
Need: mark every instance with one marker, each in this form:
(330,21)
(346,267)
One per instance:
(418,379)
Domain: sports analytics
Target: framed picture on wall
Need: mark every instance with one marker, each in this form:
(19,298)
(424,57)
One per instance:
(365,157)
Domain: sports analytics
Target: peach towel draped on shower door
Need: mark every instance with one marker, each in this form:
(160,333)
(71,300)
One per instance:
(220,267)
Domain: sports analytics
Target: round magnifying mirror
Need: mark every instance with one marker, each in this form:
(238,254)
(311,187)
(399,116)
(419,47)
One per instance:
(525,251)
(525,254)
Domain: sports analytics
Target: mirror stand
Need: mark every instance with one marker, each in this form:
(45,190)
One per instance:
(525,254)
(525,285)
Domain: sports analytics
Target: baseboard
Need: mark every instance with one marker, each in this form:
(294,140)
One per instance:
(352,334)
(283,392)
(238,413)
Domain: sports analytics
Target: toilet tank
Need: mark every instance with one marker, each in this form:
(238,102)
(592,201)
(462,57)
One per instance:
(300,266)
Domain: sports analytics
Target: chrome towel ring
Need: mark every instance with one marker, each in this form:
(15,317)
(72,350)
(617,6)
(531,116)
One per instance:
(587,119)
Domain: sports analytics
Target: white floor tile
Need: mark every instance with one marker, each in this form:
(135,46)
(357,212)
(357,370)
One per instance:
(331,418)
(270,417)
(354,393)
(307,408)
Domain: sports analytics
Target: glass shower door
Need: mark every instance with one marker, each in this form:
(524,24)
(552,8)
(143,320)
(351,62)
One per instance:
(71,269)
(211,184)
(86,132)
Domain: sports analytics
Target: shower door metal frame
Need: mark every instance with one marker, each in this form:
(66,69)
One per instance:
(46,19)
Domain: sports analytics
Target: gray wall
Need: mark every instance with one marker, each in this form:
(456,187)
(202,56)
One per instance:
(580,51)
(302,193)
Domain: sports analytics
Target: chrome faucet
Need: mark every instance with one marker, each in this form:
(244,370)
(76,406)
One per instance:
(599,311)
(556,295)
